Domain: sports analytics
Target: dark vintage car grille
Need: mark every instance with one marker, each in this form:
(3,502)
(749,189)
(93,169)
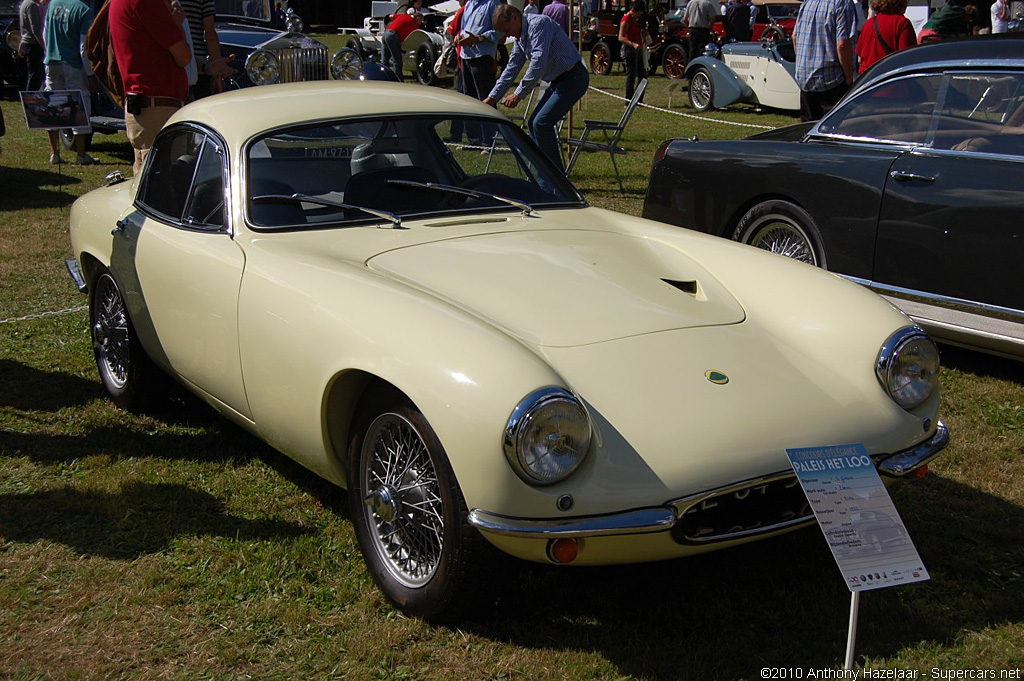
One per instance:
(753,508)
(302,64)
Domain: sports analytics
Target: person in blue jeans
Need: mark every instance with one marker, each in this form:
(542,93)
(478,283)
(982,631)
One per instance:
(553,58)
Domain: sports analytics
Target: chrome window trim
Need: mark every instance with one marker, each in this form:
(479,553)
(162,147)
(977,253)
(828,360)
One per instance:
(177,222)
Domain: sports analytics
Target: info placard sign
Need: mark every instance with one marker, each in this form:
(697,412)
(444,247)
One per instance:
(856,513)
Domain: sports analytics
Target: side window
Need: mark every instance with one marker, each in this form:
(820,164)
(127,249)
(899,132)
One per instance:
(169,174)
(897,111)
(982,113)
(206,206)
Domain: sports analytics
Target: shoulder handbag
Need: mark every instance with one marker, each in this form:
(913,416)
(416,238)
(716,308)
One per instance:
(441,65)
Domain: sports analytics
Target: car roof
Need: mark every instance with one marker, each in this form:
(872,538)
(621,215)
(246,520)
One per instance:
(999,50)
(240,114)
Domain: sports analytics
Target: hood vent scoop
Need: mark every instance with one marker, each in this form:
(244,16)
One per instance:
(684,286)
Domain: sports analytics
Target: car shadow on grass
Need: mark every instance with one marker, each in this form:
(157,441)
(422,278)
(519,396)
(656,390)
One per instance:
(138,519)
(781,602)
(179,427)
(982,364)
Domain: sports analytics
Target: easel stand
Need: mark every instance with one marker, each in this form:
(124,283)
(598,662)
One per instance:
(851,635)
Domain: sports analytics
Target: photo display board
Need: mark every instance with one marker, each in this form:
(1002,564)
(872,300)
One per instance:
(864,531)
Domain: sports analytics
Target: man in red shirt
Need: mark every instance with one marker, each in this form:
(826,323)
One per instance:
(395,34)
(631,35)
(151,52)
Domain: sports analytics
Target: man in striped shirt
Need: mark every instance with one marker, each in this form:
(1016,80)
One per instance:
(554,58)
(201,15)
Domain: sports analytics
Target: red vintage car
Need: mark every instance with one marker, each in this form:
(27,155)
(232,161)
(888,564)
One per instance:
(771,20)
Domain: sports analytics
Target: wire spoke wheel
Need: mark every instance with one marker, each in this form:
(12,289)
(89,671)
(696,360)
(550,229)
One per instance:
(702,90)
(111,339)
(405,511)
(784,238)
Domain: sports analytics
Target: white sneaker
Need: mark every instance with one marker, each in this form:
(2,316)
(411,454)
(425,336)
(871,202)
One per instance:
(86,160)
(55,159)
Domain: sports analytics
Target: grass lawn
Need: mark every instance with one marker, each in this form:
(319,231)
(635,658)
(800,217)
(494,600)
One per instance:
(174,545)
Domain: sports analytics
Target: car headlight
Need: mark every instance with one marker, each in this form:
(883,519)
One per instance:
(13,38)
(263,67)
(547,436)
(908,367)
(346,64)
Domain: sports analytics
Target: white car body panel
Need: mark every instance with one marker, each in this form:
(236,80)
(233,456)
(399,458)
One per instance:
(467,316)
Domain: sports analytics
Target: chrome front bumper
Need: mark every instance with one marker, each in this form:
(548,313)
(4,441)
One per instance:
(665,518)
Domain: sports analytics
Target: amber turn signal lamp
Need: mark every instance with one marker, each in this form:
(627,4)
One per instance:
(920,472)
(563,550)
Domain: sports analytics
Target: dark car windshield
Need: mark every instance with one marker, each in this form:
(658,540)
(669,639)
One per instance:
(350,172)
(254,9)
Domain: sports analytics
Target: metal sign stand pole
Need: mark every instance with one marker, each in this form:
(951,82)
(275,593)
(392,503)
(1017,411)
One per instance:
(851,636)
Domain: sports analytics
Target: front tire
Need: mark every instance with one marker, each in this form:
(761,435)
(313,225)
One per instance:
(702,90)
(601,58)
(409,514)
(784,228)
(127,373)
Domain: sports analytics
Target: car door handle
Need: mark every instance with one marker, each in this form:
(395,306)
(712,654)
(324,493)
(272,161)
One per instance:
(121,224)
(901,176)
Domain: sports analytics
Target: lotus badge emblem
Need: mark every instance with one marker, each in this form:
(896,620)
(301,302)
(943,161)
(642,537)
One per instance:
(716,377)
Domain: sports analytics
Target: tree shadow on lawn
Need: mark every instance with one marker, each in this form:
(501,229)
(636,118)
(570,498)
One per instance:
(139,519)
(23,188)
(781,602)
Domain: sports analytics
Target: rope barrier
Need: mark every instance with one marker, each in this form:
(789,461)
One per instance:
(685,115)
(40,315)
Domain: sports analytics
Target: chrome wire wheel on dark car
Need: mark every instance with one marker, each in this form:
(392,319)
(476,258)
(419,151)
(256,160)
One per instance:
(702,89)
(405,513)
(784,228)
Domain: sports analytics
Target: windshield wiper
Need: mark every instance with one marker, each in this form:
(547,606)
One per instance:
(305,198)
(451,189)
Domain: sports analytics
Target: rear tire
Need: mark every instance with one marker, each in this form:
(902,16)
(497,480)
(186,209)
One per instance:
(127,373)
(673,61)
(426,55)
(784,228)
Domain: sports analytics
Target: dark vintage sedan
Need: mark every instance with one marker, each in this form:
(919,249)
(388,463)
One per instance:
(913,186)
(12,64)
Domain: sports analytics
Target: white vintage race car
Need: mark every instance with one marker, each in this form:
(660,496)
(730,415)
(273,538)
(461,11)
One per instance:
(481,358)
(756,73)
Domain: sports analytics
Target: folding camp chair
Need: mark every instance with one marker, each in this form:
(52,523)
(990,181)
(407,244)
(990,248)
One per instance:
(612,133)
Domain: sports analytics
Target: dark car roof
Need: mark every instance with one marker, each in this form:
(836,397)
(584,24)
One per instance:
(973,51)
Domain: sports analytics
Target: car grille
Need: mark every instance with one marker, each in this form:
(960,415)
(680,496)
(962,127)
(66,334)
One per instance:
(755,507)
(299,64)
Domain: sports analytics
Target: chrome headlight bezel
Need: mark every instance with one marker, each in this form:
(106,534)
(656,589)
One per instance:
(13,38)
(908,367)
(262,67)
(346,64)
(540,412)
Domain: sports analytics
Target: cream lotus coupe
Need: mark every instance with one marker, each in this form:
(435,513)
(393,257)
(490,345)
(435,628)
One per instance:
(450,332)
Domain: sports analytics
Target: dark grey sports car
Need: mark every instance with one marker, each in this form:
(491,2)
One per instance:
(913,186)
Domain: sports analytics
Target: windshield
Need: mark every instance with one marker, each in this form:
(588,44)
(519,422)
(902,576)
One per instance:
(255,9)
(387,169)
